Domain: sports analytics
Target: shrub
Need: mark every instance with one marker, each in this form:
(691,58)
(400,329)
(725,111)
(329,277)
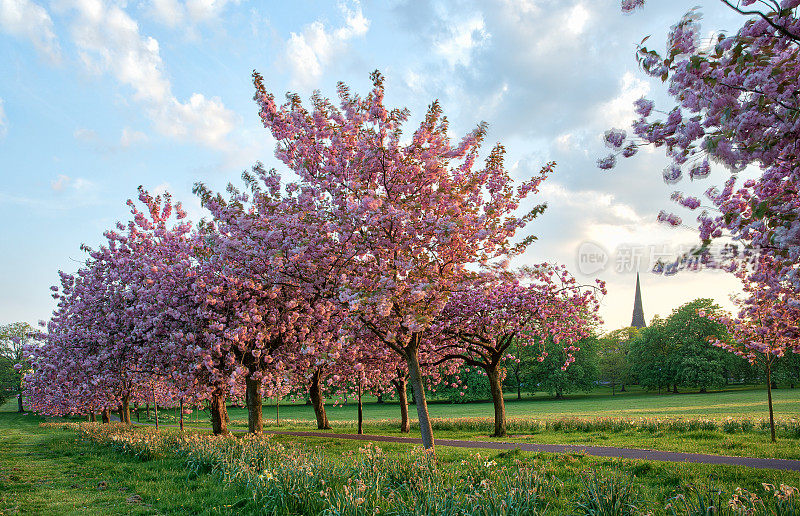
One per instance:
(607,496)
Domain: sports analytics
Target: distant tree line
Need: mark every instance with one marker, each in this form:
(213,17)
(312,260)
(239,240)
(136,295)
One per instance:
(669,355)
(13,338)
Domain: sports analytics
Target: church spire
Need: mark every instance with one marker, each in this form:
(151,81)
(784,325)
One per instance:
(638,313)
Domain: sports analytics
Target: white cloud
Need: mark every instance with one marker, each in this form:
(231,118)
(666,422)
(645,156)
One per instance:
(174,13)
(200,119)
(577,19)
(309,52)
(565,142)
(631,240)
(601,206)
(169,12)
(201,10)
(3,121)
(64,182)
(109,41)
(461,39)
(80,184)
(129,137)
(547,29)
(25,19)
(618,112)
(60,183)
(86,135)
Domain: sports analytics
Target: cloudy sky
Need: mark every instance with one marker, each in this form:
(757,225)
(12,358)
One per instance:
(100,96)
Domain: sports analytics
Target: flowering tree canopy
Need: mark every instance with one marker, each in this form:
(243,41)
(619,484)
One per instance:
(481,322)
(414,214)
(737,104)
(767,325)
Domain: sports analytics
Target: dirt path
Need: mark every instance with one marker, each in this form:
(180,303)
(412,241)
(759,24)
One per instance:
(597,451)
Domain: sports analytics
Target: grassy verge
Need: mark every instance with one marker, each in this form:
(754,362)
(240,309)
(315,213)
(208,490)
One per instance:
(49,471)
(738,402)
(287,475)
(109,469)
(740,437)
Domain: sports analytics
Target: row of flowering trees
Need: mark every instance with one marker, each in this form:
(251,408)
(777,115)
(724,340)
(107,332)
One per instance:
(383,264)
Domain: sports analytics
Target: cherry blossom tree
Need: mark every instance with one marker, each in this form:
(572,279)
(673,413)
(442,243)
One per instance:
(766,327)
(124,322)
(414,214)
(737,104)
(275,266)
(480,323)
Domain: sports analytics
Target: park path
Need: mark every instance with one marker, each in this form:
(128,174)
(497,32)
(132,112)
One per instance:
(596,451)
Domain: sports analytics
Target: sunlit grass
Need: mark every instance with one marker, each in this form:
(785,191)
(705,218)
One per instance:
(289,475)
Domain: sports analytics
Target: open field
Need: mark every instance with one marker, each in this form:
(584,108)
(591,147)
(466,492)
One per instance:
(646,418)
(55,471)
(745,401)
(52,471)
(47,471)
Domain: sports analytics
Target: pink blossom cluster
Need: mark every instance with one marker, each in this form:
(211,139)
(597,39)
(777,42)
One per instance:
(737,105)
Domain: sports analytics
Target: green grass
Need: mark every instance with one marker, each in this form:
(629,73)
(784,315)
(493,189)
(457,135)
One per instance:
(745,401)
(52,471)
(49,471)
(306,467)
(473,420)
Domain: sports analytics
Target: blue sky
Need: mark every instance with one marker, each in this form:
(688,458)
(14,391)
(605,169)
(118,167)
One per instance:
(100,96)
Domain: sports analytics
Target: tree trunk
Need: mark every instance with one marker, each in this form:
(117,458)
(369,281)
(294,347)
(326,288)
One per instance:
(104,414)
(277,410)
(415,376)
(147,410)
(136,408)
(519,390)
(401,384)
(19,403)
(125,409)
(181,414)
(219,415)
(360,411)
(92,417)
(380,398)
(769,401)
(674,388)
(255,418)
(496,387)
(315,393)
(622,389)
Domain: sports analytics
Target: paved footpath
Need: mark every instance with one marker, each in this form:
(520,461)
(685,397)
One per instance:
(597,451)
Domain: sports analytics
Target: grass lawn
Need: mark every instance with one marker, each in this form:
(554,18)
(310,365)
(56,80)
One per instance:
(747,402)
(51,471)
(48,471)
